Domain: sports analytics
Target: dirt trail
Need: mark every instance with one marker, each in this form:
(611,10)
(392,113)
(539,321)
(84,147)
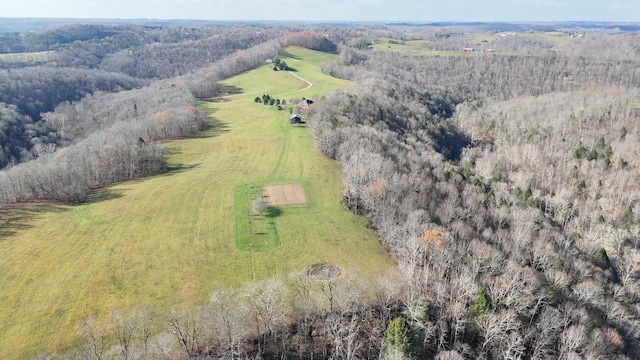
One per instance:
(305,80)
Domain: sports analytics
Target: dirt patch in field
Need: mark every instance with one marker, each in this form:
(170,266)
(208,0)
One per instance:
(323,271)
(284,195)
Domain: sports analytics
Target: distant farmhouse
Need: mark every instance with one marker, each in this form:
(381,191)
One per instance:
(305,104)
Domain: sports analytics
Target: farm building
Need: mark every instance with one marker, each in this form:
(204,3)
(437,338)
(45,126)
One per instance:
(305,104)
(295,119)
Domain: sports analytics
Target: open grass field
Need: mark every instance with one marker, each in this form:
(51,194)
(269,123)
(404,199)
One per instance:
(27,57)
(417,47)
(412,47)
(173,239)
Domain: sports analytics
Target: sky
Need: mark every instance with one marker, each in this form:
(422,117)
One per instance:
(331,10)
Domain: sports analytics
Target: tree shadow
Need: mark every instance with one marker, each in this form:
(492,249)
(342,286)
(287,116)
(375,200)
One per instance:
(173,150)
(231,90)
(273,212)
(216,127)
(20,217)
(219,100)
(174,169)
(103,194)
(450,144)
(218,97)
(289,55)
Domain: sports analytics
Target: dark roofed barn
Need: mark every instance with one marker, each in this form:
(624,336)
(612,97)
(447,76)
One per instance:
(295,119)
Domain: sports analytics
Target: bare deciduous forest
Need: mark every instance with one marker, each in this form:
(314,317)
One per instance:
(505,185)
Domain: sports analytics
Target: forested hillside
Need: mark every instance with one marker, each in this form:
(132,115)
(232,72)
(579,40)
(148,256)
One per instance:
(83,59)
(505,188)
(78,60)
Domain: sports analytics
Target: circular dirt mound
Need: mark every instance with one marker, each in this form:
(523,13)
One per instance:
(323,271)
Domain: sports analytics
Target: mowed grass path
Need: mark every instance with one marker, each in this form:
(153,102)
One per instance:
(170,239)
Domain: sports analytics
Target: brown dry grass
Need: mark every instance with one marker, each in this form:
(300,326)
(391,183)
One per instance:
(284,194)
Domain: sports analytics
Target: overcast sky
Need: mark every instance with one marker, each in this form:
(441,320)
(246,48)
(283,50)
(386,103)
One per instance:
(331,10)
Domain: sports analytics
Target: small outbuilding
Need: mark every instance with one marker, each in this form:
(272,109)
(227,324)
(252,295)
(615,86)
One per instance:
(295,119)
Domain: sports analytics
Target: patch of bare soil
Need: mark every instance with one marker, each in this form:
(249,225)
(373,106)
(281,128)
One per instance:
(284,194)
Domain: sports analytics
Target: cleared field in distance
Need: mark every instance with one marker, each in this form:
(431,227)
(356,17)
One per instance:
(417,47)
(171,239)
(27,57)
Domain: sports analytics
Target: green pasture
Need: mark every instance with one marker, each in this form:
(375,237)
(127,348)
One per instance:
(173,238)
(254,232)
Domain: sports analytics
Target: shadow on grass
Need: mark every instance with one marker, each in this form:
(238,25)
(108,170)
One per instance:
(174,169)
(219,100)
(289,55)
(273,212)
(21,217)
(216,128)
(173,150)
(219,95)
(104,195)
(231,90)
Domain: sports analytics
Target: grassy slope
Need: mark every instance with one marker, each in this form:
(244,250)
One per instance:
(170,239)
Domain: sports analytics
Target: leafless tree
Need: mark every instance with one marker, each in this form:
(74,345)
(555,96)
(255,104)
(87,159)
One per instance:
(123,329)
(227,319)
(267,302)
(572,340)
(96,335)
(188,326)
